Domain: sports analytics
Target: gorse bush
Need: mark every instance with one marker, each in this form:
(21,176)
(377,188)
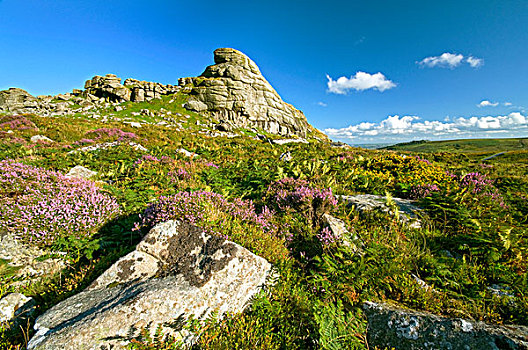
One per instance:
(40,206)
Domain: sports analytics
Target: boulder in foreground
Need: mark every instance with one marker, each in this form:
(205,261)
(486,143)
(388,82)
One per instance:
(176,270)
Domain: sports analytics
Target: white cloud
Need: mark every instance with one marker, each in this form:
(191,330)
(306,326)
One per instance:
(486,103)
(450,60)
(507,104)
(396,129)
(322,104)
(361,81)
(474,62)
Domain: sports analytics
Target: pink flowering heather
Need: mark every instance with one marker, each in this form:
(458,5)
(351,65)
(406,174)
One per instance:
(422,191)
(111,133)
(483,186)
(39,205)
(16,122)
(83,142)
(207,210)
(299,195)
(327,237)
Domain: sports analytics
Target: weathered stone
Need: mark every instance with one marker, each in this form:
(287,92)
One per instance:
(397,328)
(234,90)
(145,91)
(16,100)
(15,308)
(176,270)
(108,87)
(81,172)
(41,138)
(338,229)
(369,202)
(26,260)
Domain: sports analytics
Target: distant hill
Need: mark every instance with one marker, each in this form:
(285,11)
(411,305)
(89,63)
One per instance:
(463,146)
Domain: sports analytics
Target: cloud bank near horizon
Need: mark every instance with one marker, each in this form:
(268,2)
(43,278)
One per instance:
(406,128)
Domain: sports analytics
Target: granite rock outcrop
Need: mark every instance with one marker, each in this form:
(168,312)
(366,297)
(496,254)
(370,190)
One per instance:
(233,90)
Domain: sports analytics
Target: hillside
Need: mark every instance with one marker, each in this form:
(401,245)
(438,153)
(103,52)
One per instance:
(322,247)
(464,146)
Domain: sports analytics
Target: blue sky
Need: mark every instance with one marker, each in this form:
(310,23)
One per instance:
(437,60)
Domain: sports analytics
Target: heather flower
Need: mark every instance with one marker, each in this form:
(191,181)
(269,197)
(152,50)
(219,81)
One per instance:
(327,237)
(422,191)
(299,195)
(214,214)
(39,205)
(16,122)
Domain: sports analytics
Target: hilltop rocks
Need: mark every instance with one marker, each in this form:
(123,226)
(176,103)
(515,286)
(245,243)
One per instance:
(235,91)
(146,91)
(18,101)
(176,270)
(393,327)
(110,88)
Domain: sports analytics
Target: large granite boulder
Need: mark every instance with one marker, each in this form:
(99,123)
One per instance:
(108,87)
(176,270)
(234,90)
(393,327)
(18,101)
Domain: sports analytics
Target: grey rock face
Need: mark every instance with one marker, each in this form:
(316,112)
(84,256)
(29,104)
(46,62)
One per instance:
(175,271)
(15,308)
(397,328)
(368,202)
(234,90)
(146,91)
(17,101)
(110,88)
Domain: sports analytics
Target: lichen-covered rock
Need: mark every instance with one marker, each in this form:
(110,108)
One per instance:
(79,171)
(234,90)
(369,202)
(393,327)
(176,270)
(15,308)
(16,100)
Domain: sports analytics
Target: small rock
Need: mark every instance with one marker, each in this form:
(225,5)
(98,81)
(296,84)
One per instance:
(186,153)
(286,157)
(16,307)
(41,138)
(81,172)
